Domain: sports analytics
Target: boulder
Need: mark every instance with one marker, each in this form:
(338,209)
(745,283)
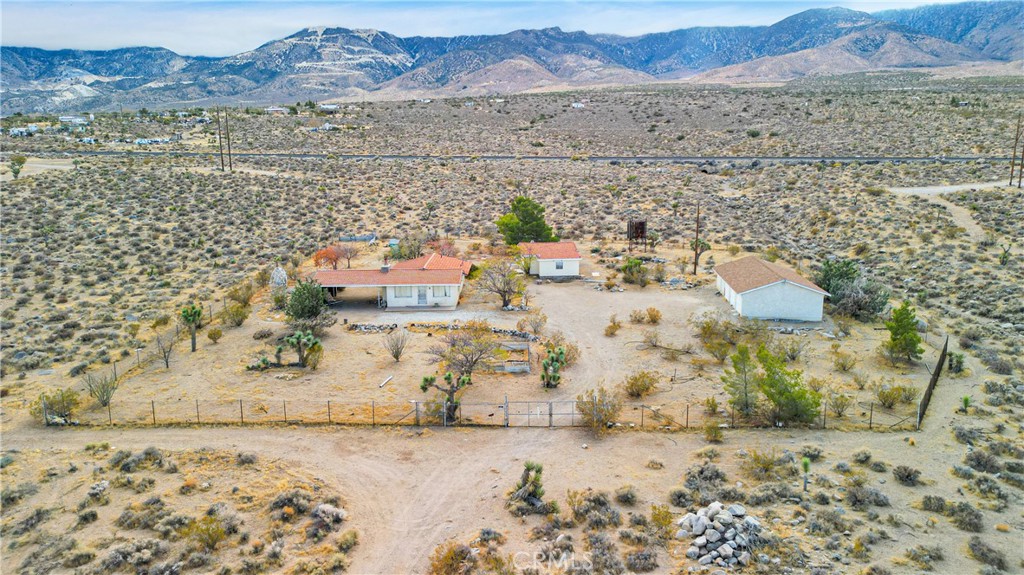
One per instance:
(713,535)
(736,510)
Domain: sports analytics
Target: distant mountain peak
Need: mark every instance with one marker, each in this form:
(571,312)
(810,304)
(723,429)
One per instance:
(321,62)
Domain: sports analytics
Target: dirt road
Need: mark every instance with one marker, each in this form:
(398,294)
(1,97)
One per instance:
(962,216)
(415,489)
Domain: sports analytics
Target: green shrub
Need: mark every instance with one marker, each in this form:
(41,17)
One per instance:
(640,383)
(986,554)
(235,314)
(60,403)
(906,475)
(598,409)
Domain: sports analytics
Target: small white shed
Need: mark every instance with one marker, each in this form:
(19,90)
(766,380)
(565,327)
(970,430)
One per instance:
(552,259)
(758,289)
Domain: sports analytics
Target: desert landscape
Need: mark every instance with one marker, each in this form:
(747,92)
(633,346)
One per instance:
(214,359)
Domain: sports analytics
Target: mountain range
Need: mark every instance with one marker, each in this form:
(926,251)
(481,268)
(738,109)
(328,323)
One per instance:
(335,63)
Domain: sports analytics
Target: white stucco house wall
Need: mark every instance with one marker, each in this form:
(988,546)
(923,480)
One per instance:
(399,288)
(758,289)
(552,259)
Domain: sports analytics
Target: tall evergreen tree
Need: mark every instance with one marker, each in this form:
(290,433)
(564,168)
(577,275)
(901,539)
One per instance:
(525,223)
(904,341)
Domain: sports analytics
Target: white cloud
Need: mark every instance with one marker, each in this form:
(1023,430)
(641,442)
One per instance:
(223,27)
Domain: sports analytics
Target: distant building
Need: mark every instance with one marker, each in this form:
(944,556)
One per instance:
(275,110)
(578,105)
(329,108)
(552,259)
(74,120)
(762,290)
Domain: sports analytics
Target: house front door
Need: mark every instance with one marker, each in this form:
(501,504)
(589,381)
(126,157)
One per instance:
(421,295)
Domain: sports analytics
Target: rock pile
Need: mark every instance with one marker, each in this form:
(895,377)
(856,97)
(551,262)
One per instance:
(722,536)
(372,327)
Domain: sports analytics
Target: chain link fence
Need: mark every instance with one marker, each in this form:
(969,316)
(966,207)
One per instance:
(507,413)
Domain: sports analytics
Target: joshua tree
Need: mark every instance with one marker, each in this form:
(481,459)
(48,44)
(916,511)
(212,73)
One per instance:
(1004,257)
(449,389)
(302,343)
(527,497)
(192,317)
(551,368)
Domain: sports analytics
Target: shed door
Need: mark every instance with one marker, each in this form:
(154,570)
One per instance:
(421,295)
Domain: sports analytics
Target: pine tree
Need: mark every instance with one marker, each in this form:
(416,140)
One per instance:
(741,382)
(525,223)
(785,389)
(904,341)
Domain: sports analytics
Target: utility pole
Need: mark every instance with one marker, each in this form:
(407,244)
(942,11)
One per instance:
(1020,167)
(220,143)
(227,133)
(1013,158)
(696,240)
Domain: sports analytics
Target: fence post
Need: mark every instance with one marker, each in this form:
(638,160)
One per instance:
(642,409)
(444,413)
(919,416)
(241,412)
(871,416)
(528,414)
(138,356)
(506,411)
(687,416)
(197,411)
(373,413)
(115,371)
(284,402)
(152,407)
(110,418)
(46,414)
(329,411)
(417,412)
(733,424)
(551,415)
(824,412)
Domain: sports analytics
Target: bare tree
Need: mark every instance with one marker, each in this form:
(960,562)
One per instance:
(534,321)
(101,387)
(348,252)
(165,350)
(395,342)
(503,280)
(463,349)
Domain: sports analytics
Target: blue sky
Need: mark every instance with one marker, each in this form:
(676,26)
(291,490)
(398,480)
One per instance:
(223,27)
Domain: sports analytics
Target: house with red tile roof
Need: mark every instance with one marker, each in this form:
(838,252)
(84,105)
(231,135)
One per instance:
(552,259)
(398,288)
(764,290)
(434,262)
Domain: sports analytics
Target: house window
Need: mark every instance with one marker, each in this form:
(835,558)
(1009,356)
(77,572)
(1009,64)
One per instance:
(403,291)
(442,291)
(559,265)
